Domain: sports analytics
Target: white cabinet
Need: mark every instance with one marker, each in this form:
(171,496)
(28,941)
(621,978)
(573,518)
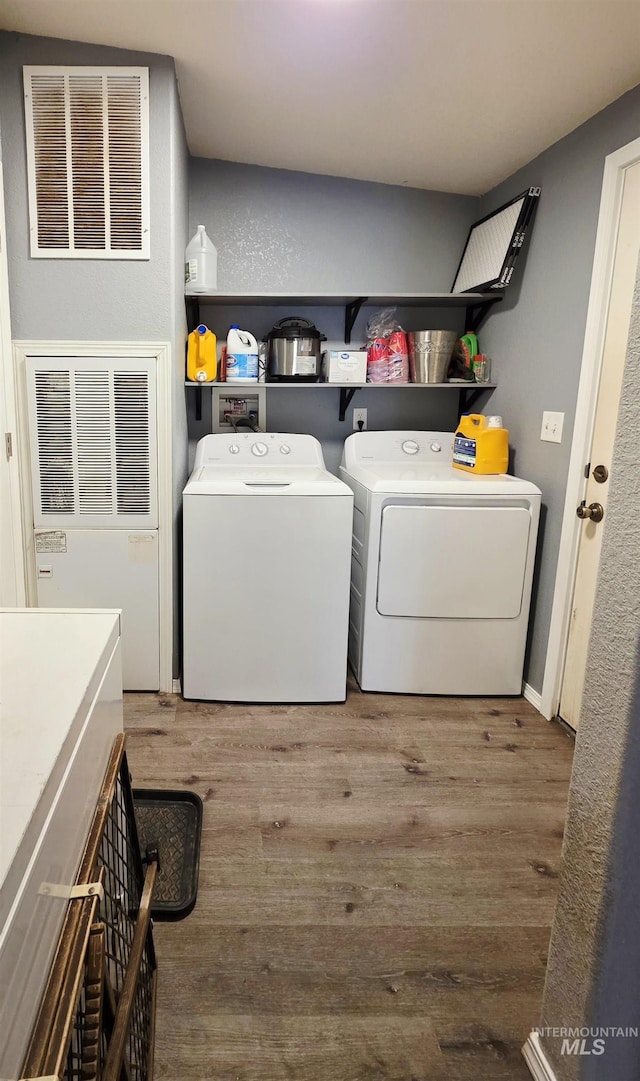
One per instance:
(60,711)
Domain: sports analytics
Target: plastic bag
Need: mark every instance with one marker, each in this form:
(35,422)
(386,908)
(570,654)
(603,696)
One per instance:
(387,352)
(382,324)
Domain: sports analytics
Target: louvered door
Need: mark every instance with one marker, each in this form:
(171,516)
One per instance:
(93,442)
(87,135)
(92,427)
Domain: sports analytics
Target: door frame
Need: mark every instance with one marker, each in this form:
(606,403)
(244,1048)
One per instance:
(615,167)
(7,389)
(161,353)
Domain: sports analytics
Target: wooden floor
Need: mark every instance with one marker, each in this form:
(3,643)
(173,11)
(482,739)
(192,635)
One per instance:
(377,882)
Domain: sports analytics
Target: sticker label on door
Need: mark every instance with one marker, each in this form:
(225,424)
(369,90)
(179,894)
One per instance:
(141,547)
(54,540)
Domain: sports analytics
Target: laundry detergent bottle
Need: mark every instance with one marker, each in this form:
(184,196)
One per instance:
(200,265)
(481,445)
(201,355)
(242,356)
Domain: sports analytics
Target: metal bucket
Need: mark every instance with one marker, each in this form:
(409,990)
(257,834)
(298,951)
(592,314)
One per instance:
(429,355)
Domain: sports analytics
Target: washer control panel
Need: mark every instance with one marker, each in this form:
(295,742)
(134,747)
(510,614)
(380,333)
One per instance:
(258,449)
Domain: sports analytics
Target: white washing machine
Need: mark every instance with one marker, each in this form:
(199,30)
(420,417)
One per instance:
(441,569)
(267,550)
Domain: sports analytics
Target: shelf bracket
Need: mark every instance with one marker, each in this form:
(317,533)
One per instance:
(198,403)
(351,312)
(346,394)
(193,312)
(468,398)
(476,314)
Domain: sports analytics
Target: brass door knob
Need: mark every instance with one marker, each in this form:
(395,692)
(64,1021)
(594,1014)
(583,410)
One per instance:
(595,511)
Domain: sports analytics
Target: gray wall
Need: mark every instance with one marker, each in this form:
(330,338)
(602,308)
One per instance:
(282,231)
(536,335)
(102,300)
(593,977)
(277,230)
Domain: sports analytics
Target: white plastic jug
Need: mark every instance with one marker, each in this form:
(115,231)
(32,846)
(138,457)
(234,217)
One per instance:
(242,356)
(201,265)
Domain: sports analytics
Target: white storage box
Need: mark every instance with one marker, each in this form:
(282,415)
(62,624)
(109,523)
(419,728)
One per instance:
(345,366)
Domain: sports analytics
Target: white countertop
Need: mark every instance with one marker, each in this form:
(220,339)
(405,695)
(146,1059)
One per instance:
(47,663)
(60,711)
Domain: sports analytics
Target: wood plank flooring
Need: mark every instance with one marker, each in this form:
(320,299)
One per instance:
(377,883)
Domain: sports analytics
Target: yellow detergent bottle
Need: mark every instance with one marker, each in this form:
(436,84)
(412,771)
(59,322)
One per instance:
(201,355)
(481,444)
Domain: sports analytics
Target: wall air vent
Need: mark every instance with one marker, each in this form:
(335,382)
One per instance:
(93,442)
(88,162)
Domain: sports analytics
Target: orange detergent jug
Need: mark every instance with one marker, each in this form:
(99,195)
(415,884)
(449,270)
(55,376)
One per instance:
(201,355)
(481,444)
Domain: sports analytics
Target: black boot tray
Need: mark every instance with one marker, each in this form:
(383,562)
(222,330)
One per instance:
(172,822)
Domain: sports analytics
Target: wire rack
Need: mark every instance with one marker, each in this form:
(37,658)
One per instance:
(96,1021)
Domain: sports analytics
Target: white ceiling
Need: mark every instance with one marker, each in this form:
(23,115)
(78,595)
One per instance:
(452,95)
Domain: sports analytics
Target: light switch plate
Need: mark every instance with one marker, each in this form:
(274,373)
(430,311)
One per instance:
(552,427)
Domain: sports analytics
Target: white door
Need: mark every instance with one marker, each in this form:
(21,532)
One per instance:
(93,429)
(107,568)
(613,360)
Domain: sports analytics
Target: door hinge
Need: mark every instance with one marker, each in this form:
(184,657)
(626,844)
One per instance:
(8,445)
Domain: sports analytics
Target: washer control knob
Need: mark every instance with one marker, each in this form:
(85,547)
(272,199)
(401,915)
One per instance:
(285,448)
(234,449)
(436,447)
(410,446)
(259,449)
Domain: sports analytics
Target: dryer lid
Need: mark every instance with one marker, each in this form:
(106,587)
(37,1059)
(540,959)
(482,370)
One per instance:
(436,478)
(419,463)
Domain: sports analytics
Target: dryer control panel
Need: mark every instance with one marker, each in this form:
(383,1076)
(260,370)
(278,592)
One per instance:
(397,447)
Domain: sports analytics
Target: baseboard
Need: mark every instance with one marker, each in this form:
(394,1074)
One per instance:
(532,696)
(536,1060)
(177,686)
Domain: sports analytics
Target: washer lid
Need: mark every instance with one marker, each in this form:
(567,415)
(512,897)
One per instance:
(438,478)
(265,481)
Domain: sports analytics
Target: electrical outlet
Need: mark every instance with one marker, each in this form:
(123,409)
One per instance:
(552,427)
(359,420)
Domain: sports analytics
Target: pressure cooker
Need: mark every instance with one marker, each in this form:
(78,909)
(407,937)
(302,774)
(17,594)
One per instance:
(293,350)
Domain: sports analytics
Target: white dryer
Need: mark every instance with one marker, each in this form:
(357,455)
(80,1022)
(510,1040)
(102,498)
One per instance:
(267,549)
(441,569)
